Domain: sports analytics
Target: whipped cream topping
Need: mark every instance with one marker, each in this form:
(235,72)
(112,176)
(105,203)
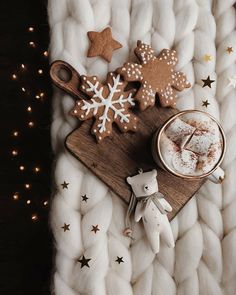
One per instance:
(191,144)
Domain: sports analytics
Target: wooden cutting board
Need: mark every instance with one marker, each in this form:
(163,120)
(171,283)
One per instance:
(124,153)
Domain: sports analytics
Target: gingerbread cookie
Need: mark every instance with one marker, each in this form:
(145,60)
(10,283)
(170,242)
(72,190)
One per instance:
(156,75)
(109,103)
(102,44)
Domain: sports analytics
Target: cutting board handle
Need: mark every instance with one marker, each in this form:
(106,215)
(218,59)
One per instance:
(66,77)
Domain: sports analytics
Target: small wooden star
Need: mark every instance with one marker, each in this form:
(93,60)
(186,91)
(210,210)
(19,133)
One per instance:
(84,262)
(119,260)
(64,185)
(205,103)
(229,50)
(95,228)
(232,81)
(207,82)
(66,227)
(207,57)
(84,198)
(102,44)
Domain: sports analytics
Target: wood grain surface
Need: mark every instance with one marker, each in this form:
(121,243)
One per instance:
(123,154)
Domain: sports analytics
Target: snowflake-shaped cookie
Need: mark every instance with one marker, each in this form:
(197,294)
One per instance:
(156,75)
(109,103)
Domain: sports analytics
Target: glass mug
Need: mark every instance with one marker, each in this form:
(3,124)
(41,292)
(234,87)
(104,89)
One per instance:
(191,145)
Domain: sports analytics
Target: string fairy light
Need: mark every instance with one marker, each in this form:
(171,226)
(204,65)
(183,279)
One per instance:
(31,124)
(14,152)
(36,169)
(34,217)
(15,196)
(31,29)
(32,44)
(20,76)
(27,185)
(22,168)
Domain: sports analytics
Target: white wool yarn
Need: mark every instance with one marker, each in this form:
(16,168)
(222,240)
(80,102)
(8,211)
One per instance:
(186,15)
(163,266)
(225,68)
(204,230)
(209,198)
(189,241)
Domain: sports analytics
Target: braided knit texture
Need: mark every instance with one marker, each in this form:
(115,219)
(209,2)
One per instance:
(203,261)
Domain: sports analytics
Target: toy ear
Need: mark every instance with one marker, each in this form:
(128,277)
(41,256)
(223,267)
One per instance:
(129,180)
(154,172)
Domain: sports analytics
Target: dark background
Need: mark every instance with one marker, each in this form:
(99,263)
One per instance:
(25,243)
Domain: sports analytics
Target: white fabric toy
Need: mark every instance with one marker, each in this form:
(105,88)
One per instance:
(152,208)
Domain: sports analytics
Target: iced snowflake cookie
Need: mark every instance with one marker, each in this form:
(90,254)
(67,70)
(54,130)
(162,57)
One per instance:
(109,103)
(156,75)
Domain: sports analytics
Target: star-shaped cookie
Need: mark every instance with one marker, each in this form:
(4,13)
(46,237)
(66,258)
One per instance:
(102,44)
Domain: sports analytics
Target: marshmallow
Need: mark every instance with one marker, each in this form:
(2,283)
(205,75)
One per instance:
(177,129)
(185,162)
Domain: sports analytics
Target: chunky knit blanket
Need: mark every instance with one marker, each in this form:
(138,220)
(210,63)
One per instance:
(204,259)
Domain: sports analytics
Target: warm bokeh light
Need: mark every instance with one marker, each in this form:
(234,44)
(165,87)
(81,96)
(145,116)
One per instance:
(27,186)
(31,124)
(34,217)
(32,44)
(37,169)
(16,196)
(14,152)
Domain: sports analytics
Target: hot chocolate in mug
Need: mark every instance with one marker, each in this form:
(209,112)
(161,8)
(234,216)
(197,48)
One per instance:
(191,145)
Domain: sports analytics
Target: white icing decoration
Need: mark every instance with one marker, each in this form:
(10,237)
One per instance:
(108,103)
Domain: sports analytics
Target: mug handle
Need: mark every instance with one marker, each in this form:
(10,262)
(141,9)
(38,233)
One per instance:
(217,176)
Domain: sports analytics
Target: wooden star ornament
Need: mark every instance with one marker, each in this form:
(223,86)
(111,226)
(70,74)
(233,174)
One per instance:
(229,49)
(64,185)
(205,103)
(95,228)
(207,82)
(84,262)
(102,44)
(66,227)
(119,260)
(84,198)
